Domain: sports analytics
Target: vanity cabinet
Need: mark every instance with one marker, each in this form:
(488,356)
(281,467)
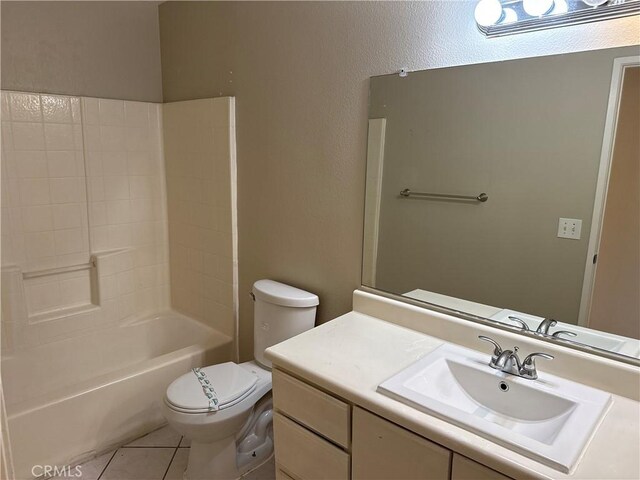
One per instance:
(465,469)
(314,409)
(306,455)
(382,450)
(321,437)
(312,431)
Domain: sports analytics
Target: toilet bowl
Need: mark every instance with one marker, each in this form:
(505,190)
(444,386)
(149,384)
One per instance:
(226,409)
(217,436)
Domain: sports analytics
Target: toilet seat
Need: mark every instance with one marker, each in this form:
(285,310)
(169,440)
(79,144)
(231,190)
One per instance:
(231,384)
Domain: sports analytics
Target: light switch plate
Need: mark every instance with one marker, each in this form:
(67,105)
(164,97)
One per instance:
(569,228)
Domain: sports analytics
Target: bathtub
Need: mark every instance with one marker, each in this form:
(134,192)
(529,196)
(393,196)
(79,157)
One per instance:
(74,398)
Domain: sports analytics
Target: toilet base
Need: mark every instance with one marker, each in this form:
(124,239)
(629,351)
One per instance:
(213,460)
(232,457)
(199,470)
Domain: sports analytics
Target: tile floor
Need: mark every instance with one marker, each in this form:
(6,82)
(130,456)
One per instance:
(160,455)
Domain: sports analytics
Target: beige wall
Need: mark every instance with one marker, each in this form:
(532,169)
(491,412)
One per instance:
(97,49)
(199,151)
(616,295)
(300,73)
(522,132)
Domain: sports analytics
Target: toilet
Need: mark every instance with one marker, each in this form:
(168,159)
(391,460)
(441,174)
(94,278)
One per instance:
(226,409)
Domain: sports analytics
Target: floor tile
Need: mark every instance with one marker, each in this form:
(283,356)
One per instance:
(138,464)
(91,469)
(178,465)
(163,437)
(185,442)
(265,472)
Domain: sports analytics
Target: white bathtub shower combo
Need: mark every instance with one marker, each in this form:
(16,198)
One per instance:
(226,409)
(93,392)
(98,201)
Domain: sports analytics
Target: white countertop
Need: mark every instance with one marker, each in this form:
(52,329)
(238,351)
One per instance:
(352,354)
(453,303)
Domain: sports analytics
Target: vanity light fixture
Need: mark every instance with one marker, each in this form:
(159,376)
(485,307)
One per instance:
(489,12)
(496,18)
(537,8)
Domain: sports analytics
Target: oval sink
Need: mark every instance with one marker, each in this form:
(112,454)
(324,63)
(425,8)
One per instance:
(550,419)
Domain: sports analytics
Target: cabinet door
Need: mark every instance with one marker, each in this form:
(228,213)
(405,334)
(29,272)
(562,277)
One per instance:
(382,450)
(312,408)
(305,455)
(465,469)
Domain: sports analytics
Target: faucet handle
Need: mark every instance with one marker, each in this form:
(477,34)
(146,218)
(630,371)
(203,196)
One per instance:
(529,365)
(564,332)
(497,350)
(519,321)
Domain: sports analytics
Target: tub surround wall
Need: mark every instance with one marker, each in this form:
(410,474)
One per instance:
(300,71)
(199,141)
(109,347)
(45,207)
(82,181)
(127,199)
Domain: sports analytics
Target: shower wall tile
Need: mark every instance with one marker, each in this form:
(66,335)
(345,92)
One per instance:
(81,178)
(43,170)
(199,141)
(127,197)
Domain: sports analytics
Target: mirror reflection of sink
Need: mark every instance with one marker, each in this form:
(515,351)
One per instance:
(550,420)
(585,336)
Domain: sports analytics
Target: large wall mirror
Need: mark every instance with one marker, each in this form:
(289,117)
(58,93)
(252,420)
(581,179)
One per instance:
(511,191)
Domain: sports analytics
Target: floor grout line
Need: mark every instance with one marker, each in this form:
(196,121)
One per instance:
(170,462)
(105,467)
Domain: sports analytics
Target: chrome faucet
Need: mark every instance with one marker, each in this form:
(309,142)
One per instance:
(507,361)
(545,325)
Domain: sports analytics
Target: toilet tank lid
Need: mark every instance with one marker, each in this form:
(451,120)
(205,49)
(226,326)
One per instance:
(285,295)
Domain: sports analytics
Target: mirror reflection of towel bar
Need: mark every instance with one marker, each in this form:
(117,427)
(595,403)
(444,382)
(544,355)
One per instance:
(483,197)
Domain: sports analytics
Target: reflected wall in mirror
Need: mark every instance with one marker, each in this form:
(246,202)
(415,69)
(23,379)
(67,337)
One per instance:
(553,145)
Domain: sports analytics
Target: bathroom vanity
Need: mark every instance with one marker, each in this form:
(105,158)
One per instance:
(332,422)
(319,435)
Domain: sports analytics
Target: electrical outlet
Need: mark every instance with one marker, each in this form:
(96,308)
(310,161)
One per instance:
(569,228)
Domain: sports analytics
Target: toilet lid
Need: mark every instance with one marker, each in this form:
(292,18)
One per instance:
(230,383)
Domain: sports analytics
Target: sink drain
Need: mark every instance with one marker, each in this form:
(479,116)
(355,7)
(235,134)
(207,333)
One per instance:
(503,386)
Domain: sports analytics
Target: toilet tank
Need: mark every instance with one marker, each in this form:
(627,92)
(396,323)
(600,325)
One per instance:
(279,312)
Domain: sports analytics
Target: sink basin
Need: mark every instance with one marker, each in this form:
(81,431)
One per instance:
(550,420)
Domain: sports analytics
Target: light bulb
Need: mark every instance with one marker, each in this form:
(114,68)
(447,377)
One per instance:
(488,12)
(509,16)
(560,7)
(537,8)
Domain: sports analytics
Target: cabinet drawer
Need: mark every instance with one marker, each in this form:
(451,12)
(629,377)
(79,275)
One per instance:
(312,408)
(305,455)
(382,451)
(465,469)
